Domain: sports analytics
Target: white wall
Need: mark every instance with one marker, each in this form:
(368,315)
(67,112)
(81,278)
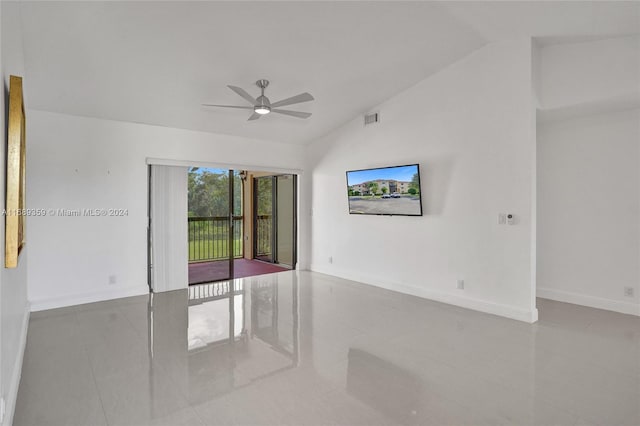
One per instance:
(14,309)
(588,181)
(589,210)
(590,71)
(77,163)
(536,72)
(472,129)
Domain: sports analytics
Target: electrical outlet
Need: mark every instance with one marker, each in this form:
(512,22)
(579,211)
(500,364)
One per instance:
(330,259)
(112,279)
(502,218)
(460,284)
(629,291)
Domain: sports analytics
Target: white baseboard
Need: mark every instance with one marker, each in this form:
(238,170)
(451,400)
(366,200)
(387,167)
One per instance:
(590,301)
(12,392)
(451,299)
(79,299)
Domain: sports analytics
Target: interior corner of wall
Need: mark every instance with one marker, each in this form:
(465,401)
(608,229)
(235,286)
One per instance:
(11,394)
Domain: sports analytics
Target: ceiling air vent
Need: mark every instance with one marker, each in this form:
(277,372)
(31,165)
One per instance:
(371,118)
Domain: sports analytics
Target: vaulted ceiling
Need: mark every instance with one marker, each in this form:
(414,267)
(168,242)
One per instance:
(157,62)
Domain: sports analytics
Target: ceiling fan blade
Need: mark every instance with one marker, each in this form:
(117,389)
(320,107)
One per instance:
(302,97)
(228,106)
(240,91)
(254,116)
(298,114)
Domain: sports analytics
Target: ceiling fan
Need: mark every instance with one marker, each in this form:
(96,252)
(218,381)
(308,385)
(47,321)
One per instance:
(262,106)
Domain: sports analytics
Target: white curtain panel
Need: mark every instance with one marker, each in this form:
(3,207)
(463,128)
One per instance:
(169,245)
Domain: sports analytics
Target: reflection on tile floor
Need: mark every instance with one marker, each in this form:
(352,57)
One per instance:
(298,348)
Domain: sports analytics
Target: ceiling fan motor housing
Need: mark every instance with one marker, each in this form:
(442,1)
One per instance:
(263,106)
(262,100)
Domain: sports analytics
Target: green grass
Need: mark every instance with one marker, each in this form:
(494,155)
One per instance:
(213,249)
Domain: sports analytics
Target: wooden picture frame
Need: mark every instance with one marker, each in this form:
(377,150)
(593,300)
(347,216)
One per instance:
(15,181)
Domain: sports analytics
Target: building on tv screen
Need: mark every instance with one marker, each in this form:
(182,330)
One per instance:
(385,191)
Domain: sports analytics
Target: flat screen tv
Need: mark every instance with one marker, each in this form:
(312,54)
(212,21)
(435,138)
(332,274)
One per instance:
(387,191)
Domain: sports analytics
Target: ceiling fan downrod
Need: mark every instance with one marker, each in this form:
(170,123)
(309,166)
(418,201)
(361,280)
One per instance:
(264,106)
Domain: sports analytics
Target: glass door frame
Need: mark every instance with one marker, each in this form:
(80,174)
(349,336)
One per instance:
(271,258)
(231,211)
(274,218)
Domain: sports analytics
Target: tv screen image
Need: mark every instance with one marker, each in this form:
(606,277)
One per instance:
(385,191)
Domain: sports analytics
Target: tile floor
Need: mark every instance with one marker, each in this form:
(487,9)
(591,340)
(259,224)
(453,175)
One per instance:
(310,349)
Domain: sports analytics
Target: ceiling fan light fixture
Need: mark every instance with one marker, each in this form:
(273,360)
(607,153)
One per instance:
(261,109)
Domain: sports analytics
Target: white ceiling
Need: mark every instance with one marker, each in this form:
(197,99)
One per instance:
(549,20)
(157,62)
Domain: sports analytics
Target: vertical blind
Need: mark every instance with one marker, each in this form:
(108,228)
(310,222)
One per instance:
(169,242)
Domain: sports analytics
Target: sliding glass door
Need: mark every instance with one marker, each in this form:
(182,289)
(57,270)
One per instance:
(285,235)
(214,224)
(263,192)
(275,219)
